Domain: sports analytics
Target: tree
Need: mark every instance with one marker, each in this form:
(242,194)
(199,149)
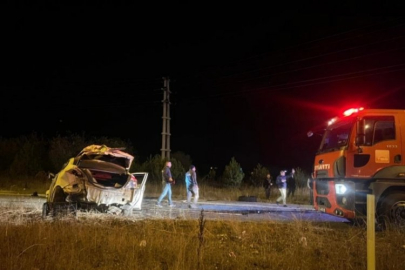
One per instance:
(62,148)
(233,174)
(183,158)
(178,171)
(8,150)
(155,164)
(258,175)
(31,156)
(301,177)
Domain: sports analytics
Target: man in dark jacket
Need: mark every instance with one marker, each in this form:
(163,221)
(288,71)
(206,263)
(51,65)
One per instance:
(267,185)
(167,190)
(291,183)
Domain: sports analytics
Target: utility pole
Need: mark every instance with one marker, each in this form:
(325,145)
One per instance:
(165,150)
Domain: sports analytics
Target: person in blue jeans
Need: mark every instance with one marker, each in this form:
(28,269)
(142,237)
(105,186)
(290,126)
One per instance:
(169,181)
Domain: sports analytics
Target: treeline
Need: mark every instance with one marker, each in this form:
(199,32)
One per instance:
(28,156)
(34,156)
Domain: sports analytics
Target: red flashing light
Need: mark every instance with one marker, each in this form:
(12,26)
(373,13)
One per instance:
(352,111)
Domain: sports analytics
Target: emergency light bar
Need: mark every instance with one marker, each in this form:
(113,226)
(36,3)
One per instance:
(352,111)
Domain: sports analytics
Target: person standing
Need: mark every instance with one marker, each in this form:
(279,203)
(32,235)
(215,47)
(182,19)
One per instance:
(192,187)
(291,183)
(310,183)
(281,182)
(267,185)
(169,181)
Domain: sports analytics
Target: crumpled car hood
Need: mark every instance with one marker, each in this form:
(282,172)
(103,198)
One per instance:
(105,151)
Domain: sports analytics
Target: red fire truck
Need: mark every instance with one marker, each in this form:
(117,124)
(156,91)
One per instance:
(361,153)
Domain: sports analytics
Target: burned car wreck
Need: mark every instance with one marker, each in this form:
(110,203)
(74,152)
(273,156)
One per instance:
(98,178)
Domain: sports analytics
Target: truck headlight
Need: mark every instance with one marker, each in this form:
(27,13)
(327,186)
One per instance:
(344,200)
(340,189)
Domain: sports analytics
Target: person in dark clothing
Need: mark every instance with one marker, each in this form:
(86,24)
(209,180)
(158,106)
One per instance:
(267,185)
(192,187)
(168,179)
(291,183)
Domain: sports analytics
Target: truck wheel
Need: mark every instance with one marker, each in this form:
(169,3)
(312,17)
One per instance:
(393,208)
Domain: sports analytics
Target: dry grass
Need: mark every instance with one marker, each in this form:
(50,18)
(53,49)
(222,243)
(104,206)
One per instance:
(99,241)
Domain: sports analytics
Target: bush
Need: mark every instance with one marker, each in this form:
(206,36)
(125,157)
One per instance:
(63,148)
(258,175)
(233,174)
(30,158)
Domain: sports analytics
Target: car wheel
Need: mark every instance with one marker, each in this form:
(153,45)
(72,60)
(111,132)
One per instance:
(58,195)
(58,201)
(392,209)
(45,210)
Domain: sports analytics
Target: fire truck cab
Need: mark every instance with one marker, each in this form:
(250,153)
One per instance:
(361,153)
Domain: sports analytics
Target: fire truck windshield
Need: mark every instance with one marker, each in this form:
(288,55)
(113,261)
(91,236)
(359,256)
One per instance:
(336,135)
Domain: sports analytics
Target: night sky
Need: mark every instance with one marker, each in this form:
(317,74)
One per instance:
(247,82)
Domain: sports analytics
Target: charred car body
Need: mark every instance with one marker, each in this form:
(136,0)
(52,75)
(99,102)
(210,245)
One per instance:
(97,178)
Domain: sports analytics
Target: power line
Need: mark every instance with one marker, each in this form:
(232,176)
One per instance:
(304,59)
(324,38)
(324,64)
(304,83)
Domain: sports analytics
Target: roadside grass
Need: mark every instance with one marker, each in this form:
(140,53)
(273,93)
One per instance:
(99,241)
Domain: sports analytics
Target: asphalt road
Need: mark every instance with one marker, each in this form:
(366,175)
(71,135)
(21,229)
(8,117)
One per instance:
(230,210)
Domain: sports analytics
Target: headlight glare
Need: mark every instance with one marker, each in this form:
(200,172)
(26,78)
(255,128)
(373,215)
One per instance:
(340,189)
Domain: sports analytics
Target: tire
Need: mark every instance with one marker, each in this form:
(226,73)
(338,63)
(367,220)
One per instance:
(45,210)
(59,199)
(247,199)
(59,196)
(392,209)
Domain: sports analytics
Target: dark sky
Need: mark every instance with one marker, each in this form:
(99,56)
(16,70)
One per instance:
(247,82)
